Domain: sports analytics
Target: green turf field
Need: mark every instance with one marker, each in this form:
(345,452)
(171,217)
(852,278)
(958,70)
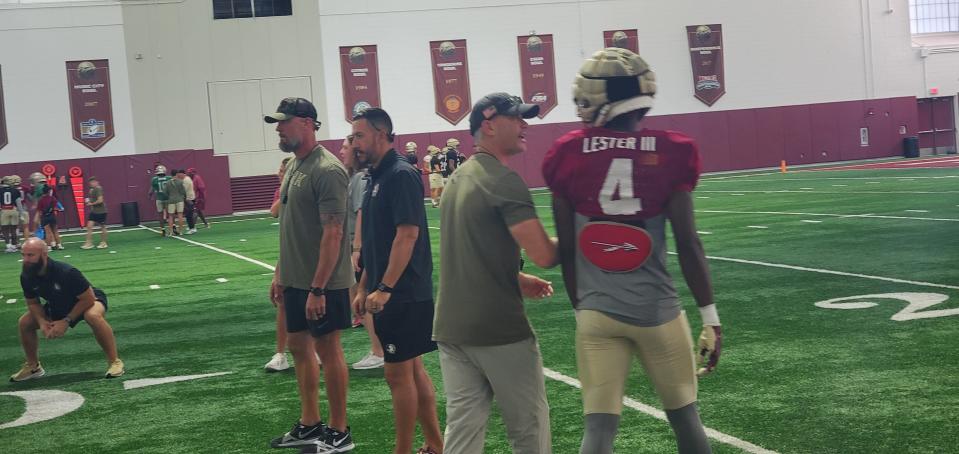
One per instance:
(794,377)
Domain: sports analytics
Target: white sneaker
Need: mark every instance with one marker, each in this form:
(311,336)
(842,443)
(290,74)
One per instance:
(86,246)
(102,245)
(370,361)
(191,231)
(277,363)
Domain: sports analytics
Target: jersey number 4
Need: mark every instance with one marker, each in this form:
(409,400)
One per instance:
(619,178)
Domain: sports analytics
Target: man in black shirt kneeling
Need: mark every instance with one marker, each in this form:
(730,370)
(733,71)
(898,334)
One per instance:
(69,299)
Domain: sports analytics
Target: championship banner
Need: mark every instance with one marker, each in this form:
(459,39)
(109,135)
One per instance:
(706,53)
(3,115)
(91,110)
(361,79)
(538,71)
(451,79)
(624,39)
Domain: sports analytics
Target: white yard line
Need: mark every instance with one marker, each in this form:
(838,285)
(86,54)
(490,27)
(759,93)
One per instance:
(222,251)
(660,415)
(866,216)
(823,271)
(631,403)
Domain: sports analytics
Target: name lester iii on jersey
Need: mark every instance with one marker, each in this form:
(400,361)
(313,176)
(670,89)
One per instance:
(599,143)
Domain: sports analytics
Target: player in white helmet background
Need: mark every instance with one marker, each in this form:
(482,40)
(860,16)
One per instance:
(614,187)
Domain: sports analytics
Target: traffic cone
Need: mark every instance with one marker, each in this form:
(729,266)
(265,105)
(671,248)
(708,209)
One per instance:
(782,166)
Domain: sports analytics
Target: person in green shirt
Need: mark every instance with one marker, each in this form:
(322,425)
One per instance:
(98,215)
(158,191)
(487,347)
(313,276)
(176,198)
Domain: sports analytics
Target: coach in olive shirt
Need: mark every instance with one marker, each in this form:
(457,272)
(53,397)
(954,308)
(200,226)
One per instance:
(313,275)
(487,348)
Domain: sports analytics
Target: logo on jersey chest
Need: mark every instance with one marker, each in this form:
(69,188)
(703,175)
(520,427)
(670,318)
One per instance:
(615,247)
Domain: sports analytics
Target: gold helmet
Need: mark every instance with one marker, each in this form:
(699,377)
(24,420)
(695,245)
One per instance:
(611,82)
(411,147)
(452,142)
(15,180)
(433,149)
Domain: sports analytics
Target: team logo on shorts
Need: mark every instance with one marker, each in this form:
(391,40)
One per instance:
(615,247)
(391,349)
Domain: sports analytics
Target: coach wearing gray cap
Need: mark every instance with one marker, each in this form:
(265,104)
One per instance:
(487,347)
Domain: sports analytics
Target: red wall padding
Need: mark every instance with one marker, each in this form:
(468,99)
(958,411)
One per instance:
(127,179)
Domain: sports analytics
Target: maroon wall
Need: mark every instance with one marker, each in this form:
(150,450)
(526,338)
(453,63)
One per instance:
(736,139)
(127,179)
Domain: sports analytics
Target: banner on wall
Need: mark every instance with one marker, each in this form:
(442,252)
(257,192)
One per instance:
(538,71)
(624,39)
(3,115)
(451,79)
(361,79)
(706,54)
(91,110)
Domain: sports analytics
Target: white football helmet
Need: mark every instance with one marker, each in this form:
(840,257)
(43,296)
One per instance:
(611,82)
(160,170)
(410,147)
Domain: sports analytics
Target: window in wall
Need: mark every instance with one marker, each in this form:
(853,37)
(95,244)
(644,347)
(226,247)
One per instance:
(934,16)
(233,9)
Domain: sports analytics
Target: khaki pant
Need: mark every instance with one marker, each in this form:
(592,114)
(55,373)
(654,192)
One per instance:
(605,348)
(513,374)
(9,217)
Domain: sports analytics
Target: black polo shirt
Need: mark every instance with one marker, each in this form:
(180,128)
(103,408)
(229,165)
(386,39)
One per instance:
(394,196)
(60,287)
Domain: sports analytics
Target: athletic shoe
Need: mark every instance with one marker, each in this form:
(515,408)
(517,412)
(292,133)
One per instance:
(27,372)
(115,370)
(277,363)
(301,435)
(86,246)
(357,321)
(60,247)
(102,245)
(162,232)
(370,361)
(11,248)
(339,441)
(191,231)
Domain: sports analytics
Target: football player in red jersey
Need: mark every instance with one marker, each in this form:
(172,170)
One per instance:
(614,187)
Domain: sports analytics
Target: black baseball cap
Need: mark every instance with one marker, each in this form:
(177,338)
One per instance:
(500,104)
(292,107)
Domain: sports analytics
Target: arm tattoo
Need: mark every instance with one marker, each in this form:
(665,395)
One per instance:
(332,218)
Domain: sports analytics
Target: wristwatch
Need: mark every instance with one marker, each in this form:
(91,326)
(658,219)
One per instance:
(381,287)
(317,291)
(68,320)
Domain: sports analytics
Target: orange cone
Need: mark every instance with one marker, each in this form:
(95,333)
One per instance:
(782,166)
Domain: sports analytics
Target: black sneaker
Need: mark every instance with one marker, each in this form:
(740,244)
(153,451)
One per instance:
(300,435)
(339,441)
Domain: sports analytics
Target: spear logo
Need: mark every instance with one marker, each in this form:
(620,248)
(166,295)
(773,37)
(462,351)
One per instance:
(617,247)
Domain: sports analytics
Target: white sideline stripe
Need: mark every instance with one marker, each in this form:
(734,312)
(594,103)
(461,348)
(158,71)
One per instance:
(660,415)
(222,280)
(719,436)
(755,227)
(98,232)
(917,211)
(11,301)
(154,287)
(807,189)
(144,382)
(776,180)
(810,221)
(787,191)
(868,215)
(872,182)
(822,271)
(704,233)
(222,251)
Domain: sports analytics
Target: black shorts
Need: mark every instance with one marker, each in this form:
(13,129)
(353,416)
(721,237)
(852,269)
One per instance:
(99,218)
(48,219)
(60,312)
(337,316)
(405,330)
